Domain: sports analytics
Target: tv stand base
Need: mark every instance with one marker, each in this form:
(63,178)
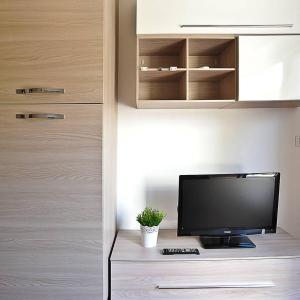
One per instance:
(219,242)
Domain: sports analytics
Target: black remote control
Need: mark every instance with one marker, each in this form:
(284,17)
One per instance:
(173,251)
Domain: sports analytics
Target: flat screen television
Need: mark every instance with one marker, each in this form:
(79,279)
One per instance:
(222,209)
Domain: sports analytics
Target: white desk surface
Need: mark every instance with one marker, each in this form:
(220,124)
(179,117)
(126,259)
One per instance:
(128,247)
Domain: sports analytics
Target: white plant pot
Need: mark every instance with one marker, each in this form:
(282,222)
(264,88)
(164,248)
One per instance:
(149,236)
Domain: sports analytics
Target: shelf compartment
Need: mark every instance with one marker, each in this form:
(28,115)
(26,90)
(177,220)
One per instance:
(155,75)
(215,86)
(215,53)
(162,85)
(155,53)
(209,74)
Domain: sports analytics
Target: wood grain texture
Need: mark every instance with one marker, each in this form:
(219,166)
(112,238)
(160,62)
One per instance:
(50,20)
(51,44)
(128,247)
(184,54)
(204,90)
(168,90)
(162,85)
(212,104)
(183,104)
(196,61)
(187,53)
(109,153)
(160,76)
(228,86)
(186,35)
(155,53)
(50,203)
(75,66)
(164,46)
(159,61)
(213,87)
(212,52)
(183,87)
(136,280)
(227,58)
(212,46)
(187,62)
(137,271)
(211,74)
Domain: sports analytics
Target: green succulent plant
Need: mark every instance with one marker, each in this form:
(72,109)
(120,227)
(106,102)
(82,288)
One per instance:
(150,217)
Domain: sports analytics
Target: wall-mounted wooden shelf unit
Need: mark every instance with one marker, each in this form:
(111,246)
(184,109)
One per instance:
(205,74)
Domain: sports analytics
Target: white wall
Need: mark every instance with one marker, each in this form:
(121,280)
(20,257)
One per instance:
(156,146)
(293,209)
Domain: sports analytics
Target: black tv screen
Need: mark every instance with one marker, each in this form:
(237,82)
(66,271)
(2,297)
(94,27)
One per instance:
(228,204)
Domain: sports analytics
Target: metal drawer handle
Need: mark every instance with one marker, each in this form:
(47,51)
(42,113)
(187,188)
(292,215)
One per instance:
(40,116)
(259,284)
(238,26)
(40,91)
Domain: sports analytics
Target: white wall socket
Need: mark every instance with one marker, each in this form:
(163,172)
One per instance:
(297,140)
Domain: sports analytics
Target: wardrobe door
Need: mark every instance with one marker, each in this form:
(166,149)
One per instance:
(51,51)
(50,202)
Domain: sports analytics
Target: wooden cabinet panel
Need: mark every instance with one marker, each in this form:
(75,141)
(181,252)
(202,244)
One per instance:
(73,65)
(141,280)
(51,44)
(50,203)
(269,68)
(139,273)
(37,20)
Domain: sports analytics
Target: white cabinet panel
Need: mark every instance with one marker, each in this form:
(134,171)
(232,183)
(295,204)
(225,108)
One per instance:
(167,16)
(269,67)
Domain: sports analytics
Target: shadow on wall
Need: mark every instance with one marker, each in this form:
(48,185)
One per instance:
(164,198)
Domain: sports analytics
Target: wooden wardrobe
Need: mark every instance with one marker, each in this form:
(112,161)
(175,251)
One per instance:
(57,148)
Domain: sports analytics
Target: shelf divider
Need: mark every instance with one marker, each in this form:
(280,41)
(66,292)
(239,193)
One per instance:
(187,66)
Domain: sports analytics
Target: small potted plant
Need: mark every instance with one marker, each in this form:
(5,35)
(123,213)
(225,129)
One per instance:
(149,220)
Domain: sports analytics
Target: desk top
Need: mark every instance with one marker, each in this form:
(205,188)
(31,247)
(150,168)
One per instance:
(128,247)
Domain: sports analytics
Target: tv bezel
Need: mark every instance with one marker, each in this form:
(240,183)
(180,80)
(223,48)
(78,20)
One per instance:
(227,231)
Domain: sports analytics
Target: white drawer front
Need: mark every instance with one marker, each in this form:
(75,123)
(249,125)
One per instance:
(235,279)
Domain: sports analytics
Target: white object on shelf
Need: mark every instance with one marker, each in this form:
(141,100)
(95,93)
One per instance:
(173,68)
(163,69)
(144,68)
(218,16)
(149,236)
(269,68)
